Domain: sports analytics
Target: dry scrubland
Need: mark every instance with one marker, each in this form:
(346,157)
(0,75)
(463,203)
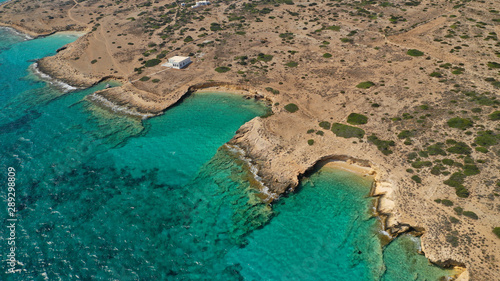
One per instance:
(421,77)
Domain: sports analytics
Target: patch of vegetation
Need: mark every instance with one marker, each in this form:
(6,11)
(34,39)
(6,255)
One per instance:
(292,64)
(447,202)
(436,74)
(460,123)
(452,239)
(448,162)
(471,170)
(496,230)
(493,64)
(365,85)
(460,148)
(436,149)
(470,214)
(325,125)
(486,138)
(456,180)
(310,142)
(346,131)
(495,115)
(291,107)
(222,69)
(458,210)
(327,55)
(93,61)
(274,91)
(382,145)
(357,119)
(264,57)
(405,134)
(415,53)
(144,78)
(152,62)
(421,164)
(454,220)
(416,179)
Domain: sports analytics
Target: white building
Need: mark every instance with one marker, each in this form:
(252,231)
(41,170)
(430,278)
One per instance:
(200,3)
(177,62)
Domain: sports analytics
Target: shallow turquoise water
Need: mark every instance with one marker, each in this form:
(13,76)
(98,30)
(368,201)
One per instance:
(107,197)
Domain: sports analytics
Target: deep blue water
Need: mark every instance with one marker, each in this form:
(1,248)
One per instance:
(102,196)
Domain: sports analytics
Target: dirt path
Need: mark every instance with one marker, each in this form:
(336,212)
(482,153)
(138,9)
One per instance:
(415,39)
(71,16)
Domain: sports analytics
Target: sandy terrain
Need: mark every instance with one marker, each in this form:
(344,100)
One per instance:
(315,55)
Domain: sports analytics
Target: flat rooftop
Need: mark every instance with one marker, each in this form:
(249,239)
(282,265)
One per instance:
(177,58)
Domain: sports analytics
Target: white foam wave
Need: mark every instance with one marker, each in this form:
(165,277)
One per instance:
(385,233)
(17,33)
(116,108)
(52,81)
(252,168)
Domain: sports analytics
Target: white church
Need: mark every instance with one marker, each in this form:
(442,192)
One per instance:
(177,62)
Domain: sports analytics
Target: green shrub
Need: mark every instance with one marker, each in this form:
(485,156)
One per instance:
(460,148)
(274,91)
(458,210)
(333,27)
(382,145)
(292,64)
(460,123)
(455,180)
(496,230)
(405,134)
(486,138)
(470,214)
(415,53)
(462,192)
(265,58)
(320,133)
(327,55)
(416,178)
(476,110)
(310,142)
(412,155)
(436,74)
(291,107)
(365,85)
(155,80)
(93,61)
(493,64)
(447,202)
(144,78)
(436,149)
(481,149)
(448,162)
(188,39)
(325,125)
(454,220)
(436,170)
(222,69)
(420,164)
(494,116)
(357,119)
(346,131)
(453,240)
(152,62)
(471,169)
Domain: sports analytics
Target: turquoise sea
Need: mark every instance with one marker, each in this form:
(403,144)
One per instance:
(102,196)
